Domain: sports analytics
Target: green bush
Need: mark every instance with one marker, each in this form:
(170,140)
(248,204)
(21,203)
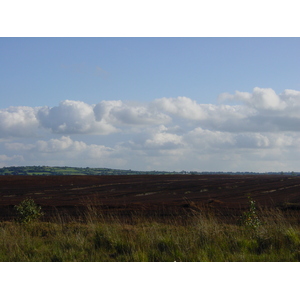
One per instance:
(28,211)
(250,218)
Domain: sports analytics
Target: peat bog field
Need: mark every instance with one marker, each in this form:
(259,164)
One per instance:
(159,195)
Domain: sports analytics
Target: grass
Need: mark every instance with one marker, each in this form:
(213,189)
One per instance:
(200,237)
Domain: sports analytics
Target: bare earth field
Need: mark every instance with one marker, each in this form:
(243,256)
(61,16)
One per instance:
(161,195)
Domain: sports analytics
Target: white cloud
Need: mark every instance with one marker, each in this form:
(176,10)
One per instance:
(10,160)
(139,116)
(260,111)
(73,148)
(261,98)
(18,146)
(106,117)
(103,109)
(4,157)
(65,143)
(207,140)
(119,113)
(252,140)
(161,139)
(181,106)
(18,121)
(73,117)
(61,151)
(259,131)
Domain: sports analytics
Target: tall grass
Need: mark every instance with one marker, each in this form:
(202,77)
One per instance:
(201,236)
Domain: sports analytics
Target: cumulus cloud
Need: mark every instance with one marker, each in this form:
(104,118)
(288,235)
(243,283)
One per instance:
(119,113)
(181,106)
(65,143)
(162,139)
(262,110)
(209,116)
(18,146)
(252,140)
(260,98)
(73,117)
(202,139)
(103,110)
(11,160)
(244,130)
(63,151)
(18,121)
(6,158)
(139,116)
(106,117)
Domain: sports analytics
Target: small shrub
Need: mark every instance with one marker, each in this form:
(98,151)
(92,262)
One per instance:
(28,211)
(250,218)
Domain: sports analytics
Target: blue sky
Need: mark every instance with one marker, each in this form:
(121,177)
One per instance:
(44,71)
(205,104)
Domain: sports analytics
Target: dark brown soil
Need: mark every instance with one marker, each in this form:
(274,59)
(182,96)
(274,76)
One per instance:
(149,194)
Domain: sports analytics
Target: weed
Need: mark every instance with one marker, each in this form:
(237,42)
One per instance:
(202,237)
(250,218)
(28,211)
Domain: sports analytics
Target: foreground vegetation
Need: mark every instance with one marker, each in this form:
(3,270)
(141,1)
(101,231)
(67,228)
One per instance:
(198,237)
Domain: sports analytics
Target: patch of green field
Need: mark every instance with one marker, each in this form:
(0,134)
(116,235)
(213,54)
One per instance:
(42,170)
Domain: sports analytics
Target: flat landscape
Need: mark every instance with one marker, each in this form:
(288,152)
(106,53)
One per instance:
(227,195)
(151,218)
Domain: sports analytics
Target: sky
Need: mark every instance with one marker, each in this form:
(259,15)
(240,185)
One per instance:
(151,103)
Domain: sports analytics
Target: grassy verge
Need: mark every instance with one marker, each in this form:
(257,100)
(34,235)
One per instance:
(201,237)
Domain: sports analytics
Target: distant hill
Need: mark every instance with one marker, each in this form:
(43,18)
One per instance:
(45,170)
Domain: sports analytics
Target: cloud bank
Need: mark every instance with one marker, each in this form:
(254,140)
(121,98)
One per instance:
(257,131)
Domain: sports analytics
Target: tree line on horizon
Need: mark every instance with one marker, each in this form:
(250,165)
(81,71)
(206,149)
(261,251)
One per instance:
(46,170)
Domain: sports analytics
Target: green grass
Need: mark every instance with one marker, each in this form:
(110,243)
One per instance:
(199,238)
